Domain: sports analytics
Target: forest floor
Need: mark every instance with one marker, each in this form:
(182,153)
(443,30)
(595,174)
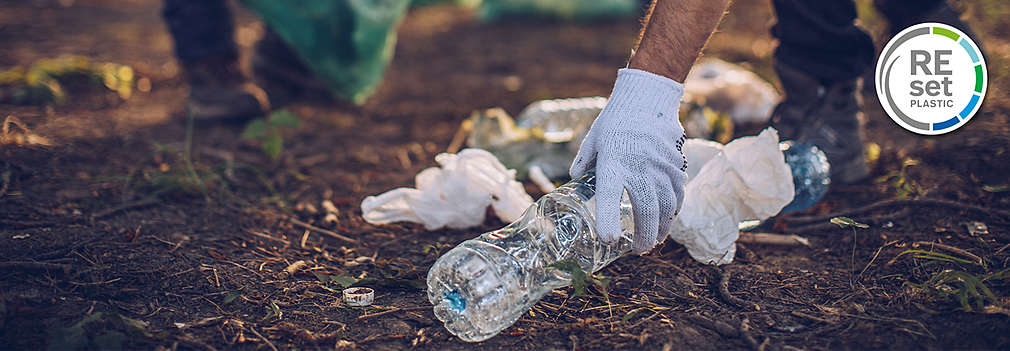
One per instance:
(129,229)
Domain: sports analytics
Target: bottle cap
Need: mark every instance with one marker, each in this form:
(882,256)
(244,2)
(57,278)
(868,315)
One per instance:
(358,297)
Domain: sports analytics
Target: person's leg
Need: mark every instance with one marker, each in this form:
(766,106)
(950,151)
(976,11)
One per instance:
(282,74)
(202,31)
(820,57)
(904,13)
(820,38)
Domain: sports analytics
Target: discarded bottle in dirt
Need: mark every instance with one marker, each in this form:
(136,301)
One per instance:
(547,134)
(562,120)
(485,284)
(811,174)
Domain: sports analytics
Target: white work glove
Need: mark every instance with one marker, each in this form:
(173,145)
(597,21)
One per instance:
(635,144)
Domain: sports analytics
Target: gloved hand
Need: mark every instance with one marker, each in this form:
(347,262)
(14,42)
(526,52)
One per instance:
(635,144)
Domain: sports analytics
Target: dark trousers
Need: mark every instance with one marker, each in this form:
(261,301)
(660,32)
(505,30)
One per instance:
(820,37)
(200,28)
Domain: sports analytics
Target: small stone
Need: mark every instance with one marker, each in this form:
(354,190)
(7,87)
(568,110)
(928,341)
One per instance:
(399,327)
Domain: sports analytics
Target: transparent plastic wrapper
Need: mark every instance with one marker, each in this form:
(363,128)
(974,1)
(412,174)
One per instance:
(729,89)
(455,195)
(484,285)
(746,179)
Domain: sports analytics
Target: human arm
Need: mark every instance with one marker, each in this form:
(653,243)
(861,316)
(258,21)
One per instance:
(635,143)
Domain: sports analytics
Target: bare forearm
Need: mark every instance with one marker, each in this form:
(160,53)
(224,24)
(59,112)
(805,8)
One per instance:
(674,35)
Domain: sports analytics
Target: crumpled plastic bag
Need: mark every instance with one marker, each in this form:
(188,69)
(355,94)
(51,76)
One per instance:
(456,195)
(728,88)
(746,179)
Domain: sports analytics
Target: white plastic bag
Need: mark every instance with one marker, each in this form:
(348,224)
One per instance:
(456,195)
(747,180)
(731,89)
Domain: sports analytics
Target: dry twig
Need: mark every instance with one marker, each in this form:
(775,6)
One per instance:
(35,265)
(999,214)
(124,207)
(874,219)
(292,269)
(773,239)
(953,249)
(723,290)
(267,341)
(321,230)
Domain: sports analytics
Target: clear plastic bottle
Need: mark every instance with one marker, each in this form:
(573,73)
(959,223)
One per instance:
(547,134)
(484,285)
(562,120)
(811,174)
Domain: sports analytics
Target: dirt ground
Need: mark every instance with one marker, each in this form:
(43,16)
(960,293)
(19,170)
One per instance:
(123,234)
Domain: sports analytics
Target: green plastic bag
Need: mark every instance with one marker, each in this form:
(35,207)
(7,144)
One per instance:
(562,9)
(463,3)
(346,43)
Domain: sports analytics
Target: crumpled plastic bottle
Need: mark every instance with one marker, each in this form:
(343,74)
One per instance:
(546,135)
(811,174)
(563,120)
(484,285)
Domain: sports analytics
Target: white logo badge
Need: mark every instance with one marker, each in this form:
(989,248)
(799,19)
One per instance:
(931,78)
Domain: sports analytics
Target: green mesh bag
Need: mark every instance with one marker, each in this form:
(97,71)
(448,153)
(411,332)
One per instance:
(562,9)
(346,43)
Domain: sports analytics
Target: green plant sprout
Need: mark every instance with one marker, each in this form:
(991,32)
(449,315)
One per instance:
(846,222)
(580,280)
(969,290)
(268,131)
(899,180)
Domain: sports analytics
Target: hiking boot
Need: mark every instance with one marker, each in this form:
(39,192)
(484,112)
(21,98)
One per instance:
(282,74)
(218,92)
(826,115)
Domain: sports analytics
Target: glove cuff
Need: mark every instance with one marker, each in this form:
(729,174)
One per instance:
(645,93)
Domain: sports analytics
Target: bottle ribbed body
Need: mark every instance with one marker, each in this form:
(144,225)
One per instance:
(484,285)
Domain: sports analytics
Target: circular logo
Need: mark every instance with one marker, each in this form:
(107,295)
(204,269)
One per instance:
(931,78)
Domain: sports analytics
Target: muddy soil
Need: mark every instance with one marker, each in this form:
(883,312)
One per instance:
(131,230)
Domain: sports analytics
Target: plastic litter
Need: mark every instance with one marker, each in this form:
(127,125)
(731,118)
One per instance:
(455,195)
(485,284)
(730,89)
(563,120)
(346,43)
(747,180)
(811,174)
(521,148)
(717,96)
(359,297)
